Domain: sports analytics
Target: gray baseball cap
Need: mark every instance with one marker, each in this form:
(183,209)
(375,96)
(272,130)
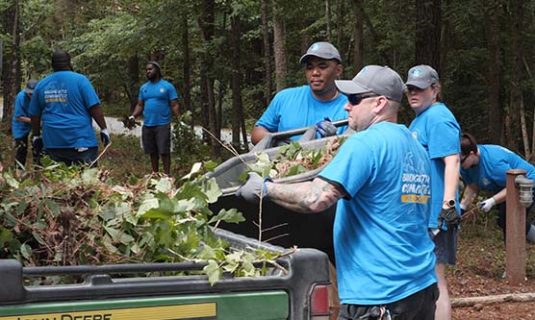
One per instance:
(422,76)
(30,86)
(323,50)
(374,79)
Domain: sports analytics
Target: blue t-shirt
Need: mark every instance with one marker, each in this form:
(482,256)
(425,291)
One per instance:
(157,97)
(382,247)
(22,104)
(63,100)
(494,162)
(439,133)
(295,108)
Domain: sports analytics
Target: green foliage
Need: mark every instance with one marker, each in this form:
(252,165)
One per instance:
(292,159)
(69,216)
(188,147)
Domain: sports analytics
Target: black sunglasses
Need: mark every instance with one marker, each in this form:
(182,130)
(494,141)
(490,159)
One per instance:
(355,99)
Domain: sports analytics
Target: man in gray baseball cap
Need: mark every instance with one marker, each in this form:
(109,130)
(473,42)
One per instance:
(317,103)
(379,180)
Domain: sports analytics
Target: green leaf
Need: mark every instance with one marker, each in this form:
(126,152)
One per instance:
(194,169)
(230,216)
(213,192)
(213,271)
(90,176)
(164,185)
(26,251)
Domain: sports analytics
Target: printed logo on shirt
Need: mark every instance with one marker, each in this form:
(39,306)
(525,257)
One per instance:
(56,95)
(162,90)
(485,182)
(415,186)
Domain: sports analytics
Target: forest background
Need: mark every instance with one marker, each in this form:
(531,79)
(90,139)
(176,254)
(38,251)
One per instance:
(228,58)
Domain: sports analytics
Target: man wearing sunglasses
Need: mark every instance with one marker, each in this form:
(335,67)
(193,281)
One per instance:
(484,167)
(318,103)
(380,181)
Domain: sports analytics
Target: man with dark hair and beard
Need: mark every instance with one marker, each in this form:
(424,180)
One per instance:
(157,99)
(317,103)
(64,104)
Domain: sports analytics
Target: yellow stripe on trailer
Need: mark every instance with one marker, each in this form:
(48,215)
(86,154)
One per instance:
(187,311)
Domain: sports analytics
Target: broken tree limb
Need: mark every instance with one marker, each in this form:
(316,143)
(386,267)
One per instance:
(511,297)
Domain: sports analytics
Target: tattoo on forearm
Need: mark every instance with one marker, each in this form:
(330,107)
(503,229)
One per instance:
(306,197)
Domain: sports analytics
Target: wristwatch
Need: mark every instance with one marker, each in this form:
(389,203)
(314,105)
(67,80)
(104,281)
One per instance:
(449,203)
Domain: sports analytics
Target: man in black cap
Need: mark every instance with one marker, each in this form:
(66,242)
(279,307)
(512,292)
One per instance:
(21,123)
(380,182)
(158,101)
(65,104)
(318,103)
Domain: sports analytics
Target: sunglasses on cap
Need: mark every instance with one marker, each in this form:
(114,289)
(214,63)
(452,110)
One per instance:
(355,99)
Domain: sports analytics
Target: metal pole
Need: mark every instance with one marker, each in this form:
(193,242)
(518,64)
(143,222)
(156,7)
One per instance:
(515,244)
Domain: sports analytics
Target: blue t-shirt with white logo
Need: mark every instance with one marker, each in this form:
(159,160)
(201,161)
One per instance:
(62,100)
(382,247)
(494,162)
(157,97)
(22,105)
(295,108)
(439,133)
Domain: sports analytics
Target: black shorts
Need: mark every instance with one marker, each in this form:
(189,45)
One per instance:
(71,156)
(156,139)
(446,246)
(418,306)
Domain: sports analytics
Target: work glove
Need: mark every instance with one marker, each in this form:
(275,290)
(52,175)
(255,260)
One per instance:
(325,128)
(486,205)
(37,147)
(463,209)
(131,123)
(104,137)
(448,217)
(253,189)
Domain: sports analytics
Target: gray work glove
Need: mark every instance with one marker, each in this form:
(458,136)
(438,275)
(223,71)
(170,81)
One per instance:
(449,217)
(325,128)
(253,189)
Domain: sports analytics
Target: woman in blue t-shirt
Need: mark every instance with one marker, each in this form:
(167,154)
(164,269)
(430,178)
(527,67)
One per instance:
(484,167)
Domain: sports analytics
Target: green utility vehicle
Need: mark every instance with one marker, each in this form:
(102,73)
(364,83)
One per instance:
(300,291)
(298,288)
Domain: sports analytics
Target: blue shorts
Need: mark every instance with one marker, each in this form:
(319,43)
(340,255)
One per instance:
(446,246)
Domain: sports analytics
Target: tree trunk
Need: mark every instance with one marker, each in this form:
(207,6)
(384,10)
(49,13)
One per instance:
(428,30)
(11,71)
(206,23)
(237,107)
(524,129)
(375,36)
(279,46)
(268,87)
(328,18)
(517,73)
(358,54)
(186,70)
(495,112)
(132,86)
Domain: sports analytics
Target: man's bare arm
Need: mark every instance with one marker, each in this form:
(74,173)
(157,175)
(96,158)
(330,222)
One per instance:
(258,133)
(175,107)
(305,197)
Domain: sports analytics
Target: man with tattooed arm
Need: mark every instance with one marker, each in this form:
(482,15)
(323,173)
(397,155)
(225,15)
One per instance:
(380,182)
